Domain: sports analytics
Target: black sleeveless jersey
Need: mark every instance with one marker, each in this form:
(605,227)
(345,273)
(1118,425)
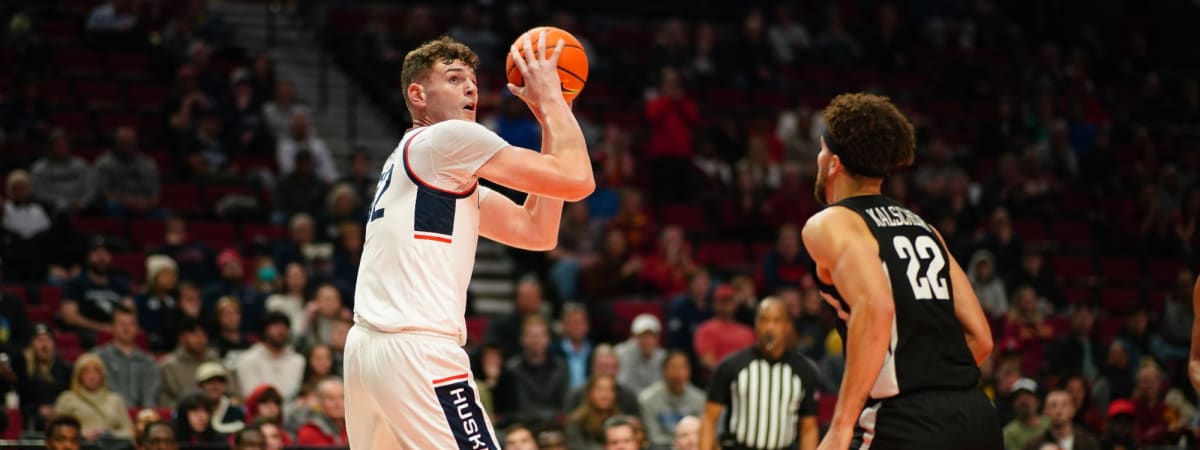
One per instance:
(928,350)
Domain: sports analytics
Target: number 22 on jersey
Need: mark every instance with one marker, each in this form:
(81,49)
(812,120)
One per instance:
(923,251)
(384,181)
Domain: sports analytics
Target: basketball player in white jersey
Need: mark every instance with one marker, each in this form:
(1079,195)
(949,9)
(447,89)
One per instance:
(408,381)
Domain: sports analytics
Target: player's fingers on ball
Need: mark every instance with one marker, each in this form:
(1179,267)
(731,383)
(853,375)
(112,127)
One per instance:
(528,44)
(518,60)
(542,45)
(558,48)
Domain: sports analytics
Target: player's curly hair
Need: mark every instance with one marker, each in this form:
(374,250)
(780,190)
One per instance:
(420,61)
(868,134)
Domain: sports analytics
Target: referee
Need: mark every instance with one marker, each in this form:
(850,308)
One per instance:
(767,391)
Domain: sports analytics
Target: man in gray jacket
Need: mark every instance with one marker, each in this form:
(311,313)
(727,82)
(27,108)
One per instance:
(61,180)
(132,372)
(669,400)
(179,368)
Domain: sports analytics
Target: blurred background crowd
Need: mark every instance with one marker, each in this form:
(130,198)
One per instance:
(179,241)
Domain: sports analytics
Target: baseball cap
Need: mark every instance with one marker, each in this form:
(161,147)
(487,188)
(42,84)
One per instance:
(42,328)
(210,370)
(1025,384)
(723,291)
(98,242)
(645,323)
(227,256)
(1120,406)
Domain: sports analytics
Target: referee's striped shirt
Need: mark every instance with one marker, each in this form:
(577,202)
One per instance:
(764,400)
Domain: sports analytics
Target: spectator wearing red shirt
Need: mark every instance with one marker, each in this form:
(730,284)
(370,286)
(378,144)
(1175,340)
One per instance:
(329,427)
(1025,329)
(667,269)
(634,220)
(1150,423)
(671,116)
(721,335)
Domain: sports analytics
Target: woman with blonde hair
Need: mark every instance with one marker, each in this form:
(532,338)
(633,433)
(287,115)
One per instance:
(585,425)
(100,411)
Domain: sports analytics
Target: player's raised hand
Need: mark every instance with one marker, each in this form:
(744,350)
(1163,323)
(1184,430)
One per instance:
(539,70)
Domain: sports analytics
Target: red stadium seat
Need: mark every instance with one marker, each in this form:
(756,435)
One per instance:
(50,295)
(55,92)
(1121,271)
(133,264)
(15,424)
(79,63)
(102,226)
(181,197)
(108,122)
(146,233)
(1033,232)
(99,95)
(215,234)
(60,31)
(65,340)
(1074,234)
(70,353)
(40,313)
(78,124)
(1079,295)
(689,217)
(1119,300)
(149,98)
(15,291)
(1164,271)
(1074,270)
(476,329)
(259,232)
(722,254)
(134,66)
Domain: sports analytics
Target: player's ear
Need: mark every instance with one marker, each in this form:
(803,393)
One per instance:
(415,94)
(835,166)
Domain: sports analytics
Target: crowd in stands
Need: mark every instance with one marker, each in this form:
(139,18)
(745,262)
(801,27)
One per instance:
(180,244)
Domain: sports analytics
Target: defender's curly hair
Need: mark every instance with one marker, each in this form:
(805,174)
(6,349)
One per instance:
(420,61)
(870,136)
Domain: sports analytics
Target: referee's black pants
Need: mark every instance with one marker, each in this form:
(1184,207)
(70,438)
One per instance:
(930,420)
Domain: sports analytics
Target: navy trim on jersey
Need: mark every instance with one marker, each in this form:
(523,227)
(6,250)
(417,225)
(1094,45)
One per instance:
(422,184)
(464,416)
(434,213)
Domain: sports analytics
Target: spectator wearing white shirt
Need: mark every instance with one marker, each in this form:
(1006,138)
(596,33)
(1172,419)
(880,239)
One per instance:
(280,110)
(272,361)
(300,139)
(113,15)
(642,354)
(22,216)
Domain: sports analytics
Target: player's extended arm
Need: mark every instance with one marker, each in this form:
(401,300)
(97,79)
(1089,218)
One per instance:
(532,226)
(840,242)
(970,314)
(564,169)
(1194,359)
(708,428)
(809,432)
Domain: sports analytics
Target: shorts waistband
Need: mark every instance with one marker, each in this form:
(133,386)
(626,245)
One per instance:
(414,334)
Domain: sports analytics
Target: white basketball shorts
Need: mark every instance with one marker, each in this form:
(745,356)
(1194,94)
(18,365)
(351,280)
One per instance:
(411,391)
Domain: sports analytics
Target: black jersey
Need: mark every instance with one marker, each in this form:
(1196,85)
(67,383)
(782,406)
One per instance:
(928,350)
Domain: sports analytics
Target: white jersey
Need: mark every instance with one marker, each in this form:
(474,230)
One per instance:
(422,229)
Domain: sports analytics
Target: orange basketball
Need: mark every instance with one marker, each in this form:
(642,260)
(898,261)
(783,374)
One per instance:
(572,63)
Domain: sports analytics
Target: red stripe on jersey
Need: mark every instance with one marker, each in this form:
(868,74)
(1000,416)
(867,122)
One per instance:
(453,378)
(432,238)
(413,175)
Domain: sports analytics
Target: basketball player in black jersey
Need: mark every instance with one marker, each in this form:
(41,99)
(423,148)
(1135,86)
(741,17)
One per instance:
(913,328)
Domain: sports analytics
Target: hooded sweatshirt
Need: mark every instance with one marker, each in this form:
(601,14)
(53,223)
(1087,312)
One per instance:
(992,295)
